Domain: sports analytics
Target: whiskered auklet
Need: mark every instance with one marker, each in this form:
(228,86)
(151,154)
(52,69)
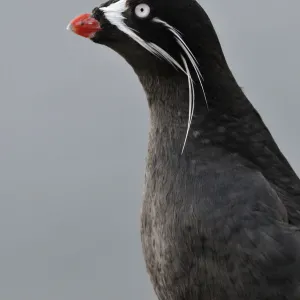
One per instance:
(221,210)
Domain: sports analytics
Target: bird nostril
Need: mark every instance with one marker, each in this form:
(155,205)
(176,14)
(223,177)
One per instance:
(96,12)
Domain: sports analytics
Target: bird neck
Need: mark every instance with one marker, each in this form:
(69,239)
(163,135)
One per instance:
(168,96)
(230,124)
(168,100)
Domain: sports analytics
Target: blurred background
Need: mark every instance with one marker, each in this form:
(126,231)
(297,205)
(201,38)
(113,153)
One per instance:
(73,140)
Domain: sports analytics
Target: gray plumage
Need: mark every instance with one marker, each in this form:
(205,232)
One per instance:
(221,220)
(216,224)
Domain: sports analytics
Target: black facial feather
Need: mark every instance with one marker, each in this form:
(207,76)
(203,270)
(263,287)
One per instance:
(187,17)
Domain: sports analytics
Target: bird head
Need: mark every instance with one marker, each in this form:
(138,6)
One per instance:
(158,35)
(171,40)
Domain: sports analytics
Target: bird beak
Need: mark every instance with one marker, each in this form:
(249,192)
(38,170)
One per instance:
(84,25)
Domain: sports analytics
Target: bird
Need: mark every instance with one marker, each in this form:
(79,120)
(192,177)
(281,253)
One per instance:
(220,217)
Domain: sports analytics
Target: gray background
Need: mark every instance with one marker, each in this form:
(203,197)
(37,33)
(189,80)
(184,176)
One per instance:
(73,138)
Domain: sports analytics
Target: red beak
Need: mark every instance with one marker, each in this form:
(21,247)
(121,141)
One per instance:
(84,25)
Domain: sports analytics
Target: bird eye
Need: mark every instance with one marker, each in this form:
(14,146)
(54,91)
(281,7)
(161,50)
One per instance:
(142,10)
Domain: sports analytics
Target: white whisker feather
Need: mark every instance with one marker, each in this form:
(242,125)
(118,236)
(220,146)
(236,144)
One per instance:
(114,14)
(187,51)
(191,100)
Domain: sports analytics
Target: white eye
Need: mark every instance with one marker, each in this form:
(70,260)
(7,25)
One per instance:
(142,10)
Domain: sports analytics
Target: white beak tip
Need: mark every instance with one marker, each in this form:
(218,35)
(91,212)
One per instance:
(69,27)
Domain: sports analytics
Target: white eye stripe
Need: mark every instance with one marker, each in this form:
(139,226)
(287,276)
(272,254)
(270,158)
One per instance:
(142,10)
